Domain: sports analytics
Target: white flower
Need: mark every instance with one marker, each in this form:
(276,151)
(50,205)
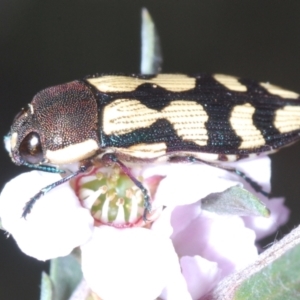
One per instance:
(57,223)
(182,255)
(132,263)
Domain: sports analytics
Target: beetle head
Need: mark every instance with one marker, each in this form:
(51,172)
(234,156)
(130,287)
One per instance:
(59,126)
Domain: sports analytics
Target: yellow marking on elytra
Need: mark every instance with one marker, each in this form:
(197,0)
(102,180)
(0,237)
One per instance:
(212,157)
(117,84)
(187,117)
(241,120)
(72,153)
(278,91)
(230,82)
(13,140)
(145,151)
(287,119)
(206,156)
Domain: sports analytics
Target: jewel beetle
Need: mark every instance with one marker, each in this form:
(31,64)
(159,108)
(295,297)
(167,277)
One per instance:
(135,118)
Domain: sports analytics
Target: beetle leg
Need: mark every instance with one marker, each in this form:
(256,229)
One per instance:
(110,157)
(249,180)
(241,174)
(28,206)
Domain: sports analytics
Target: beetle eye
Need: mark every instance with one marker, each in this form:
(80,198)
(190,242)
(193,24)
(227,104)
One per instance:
(30,149)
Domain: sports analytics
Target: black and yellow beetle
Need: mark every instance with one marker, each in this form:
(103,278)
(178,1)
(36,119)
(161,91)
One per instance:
(145,118)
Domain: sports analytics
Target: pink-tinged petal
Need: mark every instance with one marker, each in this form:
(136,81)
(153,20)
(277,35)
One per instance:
(183,216)
(176,287)
(188,183)
(163,224)
(131,263)
(266,226)
(57,223)
(221,239)
(232,243)
(200,274)
(258,169)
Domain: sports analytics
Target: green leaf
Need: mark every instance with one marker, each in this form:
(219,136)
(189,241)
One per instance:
(274,275)
(279,280)
(46,287)
(65,275)
(151,59)
(235,201)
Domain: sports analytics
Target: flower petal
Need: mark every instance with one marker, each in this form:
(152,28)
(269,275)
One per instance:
(258,169)
(57,223)
(200,274)
(221,239)
(266,226)
(131,263)
(188,183)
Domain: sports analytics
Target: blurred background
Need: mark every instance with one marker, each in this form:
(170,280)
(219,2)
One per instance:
(44,43)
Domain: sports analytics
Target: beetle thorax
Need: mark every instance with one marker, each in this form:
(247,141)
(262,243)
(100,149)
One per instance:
(63,120)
